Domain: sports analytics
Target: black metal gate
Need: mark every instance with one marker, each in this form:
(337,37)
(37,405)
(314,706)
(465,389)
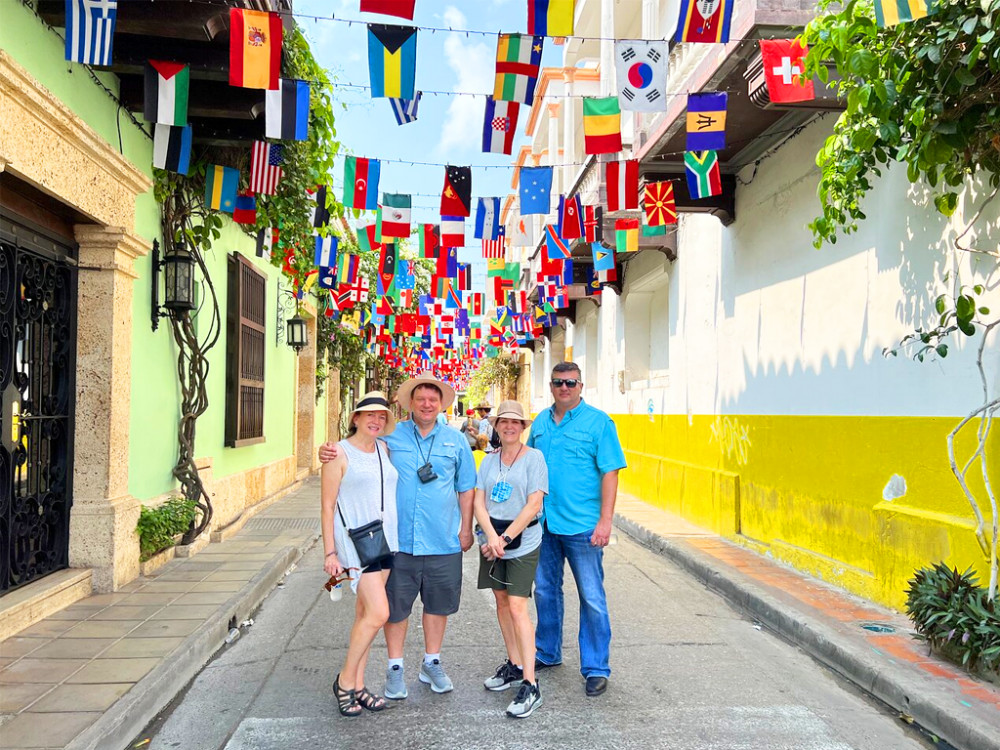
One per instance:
(37,364)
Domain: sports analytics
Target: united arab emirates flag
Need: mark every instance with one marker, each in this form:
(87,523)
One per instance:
(166,92)
(361,178)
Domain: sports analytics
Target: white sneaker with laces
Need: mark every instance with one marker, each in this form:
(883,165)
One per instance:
(528,698)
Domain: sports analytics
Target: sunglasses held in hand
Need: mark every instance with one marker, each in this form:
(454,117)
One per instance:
(343,577)
(568,382)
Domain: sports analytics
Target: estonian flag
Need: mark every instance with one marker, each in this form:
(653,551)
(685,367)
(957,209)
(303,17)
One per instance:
(392,60)
(172,147)
(286,111)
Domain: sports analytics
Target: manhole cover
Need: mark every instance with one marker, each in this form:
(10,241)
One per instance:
(877,627)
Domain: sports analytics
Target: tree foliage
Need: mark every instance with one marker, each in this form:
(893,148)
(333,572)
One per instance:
(925,93)
(500,371)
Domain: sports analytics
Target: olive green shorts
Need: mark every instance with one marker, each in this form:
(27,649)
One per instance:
(514,576)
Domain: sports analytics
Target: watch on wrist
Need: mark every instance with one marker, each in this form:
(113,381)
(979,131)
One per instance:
(506,539)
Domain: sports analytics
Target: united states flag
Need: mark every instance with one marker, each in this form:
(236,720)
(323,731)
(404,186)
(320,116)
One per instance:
(495,248)
(265,170)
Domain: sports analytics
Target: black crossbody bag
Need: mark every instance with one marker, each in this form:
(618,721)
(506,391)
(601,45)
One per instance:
(369,540)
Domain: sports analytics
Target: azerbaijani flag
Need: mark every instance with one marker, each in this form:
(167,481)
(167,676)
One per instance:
(254,48)
(602,125)
(361,178)
(550,17)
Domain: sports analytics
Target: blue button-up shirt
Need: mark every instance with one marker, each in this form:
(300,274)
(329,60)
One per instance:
(578,452)
(429,514)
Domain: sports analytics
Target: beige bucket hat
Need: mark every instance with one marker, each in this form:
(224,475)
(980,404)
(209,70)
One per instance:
(508,410)
(405,392)
(376,401)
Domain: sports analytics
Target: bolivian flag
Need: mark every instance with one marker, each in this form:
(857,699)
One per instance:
(891,12)
(602,125)
(220,188)
(392,60)
(254,48)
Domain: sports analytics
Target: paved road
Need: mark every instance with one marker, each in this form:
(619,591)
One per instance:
(689,672)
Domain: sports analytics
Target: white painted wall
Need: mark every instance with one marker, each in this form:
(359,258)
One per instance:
(751,319)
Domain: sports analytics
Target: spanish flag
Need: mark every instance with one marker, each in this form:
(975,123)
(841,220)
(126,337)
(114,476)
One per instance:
(392,60)
(254,49)
(891,12)
(602,125)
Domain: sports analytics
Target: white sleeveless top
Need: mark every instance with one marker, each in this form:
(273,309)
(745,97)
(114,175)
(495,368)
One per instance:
(360,501)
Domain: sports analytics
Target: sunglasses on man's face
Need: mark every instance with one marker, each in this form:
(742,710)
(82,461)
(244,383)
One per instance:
(568,382)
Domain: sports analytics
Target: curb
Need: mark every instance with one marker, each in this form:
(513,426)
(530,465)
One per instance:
(909,693)
(134,710)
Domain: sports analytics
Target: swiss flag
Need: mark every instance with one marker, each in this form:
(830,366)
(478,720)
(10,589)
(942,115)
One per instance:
(783,65)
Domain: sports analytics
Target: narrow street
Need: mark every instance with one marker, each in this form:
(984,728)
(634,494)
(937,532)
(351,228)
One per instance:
(688,672)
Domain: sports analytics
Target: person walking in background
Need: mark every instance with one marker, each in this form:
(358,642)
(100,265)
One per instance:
(357,488)
(581,448)
(511,485)
(437,477)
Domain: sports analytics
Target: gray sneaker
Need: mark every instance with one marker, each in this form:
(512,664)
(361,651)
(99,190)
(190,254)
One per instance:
(528,698)
(433,674)
(507,674)
(395,684)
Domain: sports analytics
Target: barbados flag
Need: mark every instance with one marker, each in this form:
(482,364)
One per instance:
(220,188)
(891,12)
(392,60)
(702,170)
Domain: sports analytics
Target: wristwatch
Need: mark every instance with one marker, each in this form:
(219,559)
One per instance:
(506,539)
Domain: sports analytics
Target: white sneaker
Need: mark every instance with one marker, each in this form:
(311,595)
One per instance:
(395,684)
(433,674)
(528,698)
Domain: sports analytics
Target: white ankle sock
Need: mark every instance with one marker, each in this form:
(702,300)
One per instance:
(395,663)
(429,658)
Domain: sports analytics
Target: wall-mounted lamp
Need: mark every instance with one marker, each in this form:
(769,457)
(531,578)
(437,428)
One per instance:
(294,330)
(178,276)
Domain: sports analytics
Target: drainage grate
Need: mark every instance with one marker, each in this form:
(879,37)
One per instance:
(277,524)
(877,627)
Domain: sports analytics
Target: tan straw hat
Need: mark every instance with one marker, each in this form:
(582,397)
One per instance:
(405,392)
(484,405)
(376,401)
(508,410)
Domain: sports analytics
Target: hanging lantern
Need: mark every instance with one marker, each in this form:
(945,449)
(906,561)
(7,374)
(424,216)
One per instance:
(297,335)
(178,274)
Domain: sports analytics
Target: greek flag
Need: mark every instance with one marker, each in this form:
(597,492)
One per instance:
(405,109)
(90,30)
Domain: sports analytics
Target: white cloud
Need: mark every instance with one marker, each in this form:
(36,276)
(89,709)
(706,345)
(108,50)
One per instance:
(473,64)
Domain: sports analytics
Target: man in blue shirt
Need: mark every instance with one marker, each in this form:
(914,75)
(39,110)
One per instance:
(581,449)
(435,526)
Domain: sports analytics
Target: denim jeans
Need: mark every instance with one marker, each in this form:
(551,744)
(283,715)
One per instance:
(587,564)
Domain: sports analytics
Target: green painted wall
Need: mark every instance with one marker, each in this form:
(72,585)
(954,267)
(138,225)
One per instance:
(319,421)
(155,394)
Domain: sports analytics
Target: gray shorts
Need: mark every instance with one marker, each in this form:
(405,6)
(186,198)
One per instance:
(437,578)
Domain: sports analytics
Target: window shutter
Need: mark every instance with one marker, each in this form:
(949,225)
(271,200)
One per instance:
(245,354)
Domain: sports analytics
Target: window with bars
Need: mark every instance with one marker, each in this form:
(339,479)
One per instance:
(245,354)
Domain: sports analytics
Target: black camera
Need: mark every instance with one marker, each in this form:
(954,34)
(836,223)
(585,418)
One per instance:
(426,473)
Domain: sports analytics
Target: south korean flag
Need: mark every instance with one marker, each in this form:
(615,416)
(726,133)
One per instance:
(642,75)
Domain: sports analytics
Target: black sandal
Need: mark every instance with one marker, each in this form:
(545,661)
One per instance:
(370,701)
(346,700)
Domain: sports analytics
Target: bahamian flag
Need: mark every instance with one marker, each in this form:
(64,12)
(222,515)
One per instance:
(891,12)
(220,187)
(702,170)
(392,60)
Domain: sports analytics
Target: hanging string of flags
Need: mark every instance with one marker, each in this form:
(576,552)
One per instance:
(451,325)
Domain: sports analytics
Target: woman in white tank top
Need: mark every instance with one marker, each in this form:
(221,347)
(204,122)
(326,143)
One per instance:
(358,487)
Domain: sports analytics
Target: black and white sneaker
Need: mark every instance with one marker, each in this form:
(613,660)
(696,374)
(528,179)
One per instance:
(507,674)
(528,698)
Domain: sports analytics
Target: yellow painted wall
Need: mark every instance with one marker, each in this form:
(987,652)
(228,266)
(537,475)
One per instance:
(808,489)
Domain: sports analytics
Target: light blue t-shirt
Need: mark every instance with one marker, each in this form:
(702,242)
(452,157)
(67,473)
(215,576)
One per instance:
(429,514)
(578,451)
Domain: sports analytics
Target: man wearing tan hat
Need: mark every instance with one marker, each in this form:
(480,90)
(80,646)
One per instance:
(437,477)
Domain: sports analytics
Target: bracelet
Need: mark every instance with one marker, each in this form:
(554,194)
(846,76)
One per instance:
(331,553)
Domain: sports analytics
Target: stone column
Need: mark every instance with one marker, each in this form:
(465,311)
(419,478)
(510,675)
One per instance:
(554,158)
(306,406)
(333,406)
(607,66)
(104,515)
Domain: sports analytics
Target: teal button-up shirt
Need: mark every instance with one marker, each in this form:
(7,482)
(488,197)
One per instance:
(428,514)
(578,452)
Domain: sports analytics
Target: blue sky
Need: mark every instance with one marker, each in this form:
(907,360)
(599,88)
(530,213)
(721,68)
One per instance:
(448,128)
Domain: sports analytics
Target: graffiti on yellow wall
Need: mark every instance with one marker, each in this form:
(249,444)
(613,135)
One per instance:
(732,437)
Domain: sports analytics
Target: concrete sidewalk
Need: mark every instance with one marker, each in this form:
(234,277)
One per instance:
(94,674)
(828,624)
